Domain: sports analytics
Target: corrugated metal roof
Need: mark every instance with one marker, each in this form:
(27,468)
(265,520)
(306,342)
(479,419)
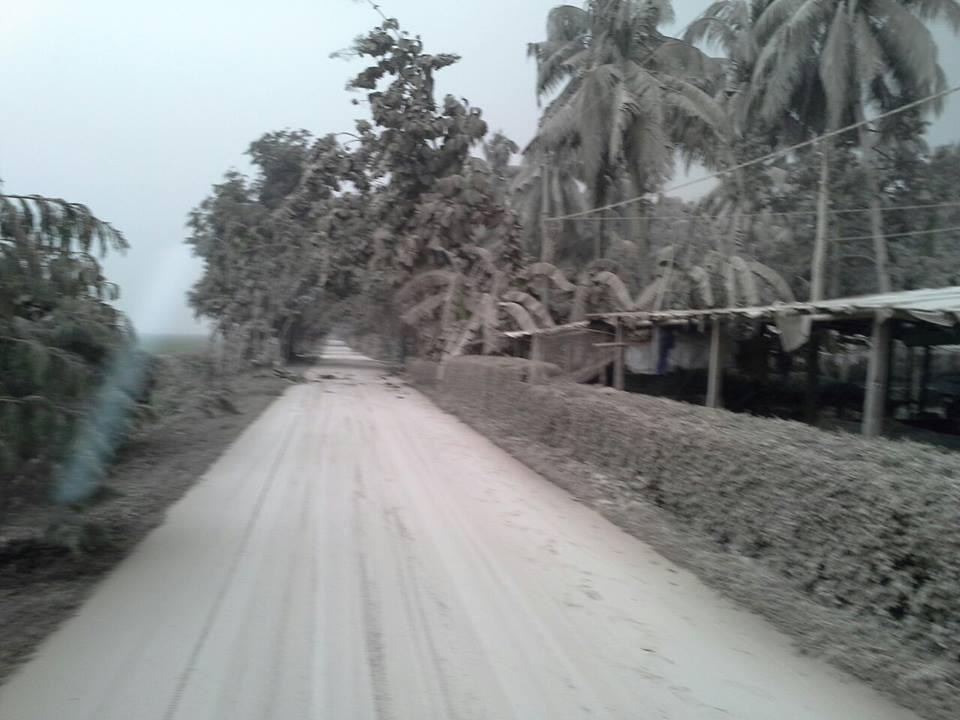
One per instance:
(940,306)
(552,330)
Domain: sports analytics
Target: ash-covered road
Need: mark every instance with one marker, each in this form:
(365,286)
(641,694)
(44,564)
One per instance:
(358,553)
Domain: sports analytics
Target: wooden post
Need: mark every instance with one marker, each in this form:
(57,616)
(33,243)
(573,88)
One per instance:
(812,394)
(924,379)
(913,373)
(618,357)
(715,368)
(878,373)
(536,357)
(891,374)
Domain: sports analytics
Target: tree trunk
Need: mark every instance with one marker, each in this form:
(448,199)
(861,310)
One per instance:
(636,233)
(836,268)
(811,401)
(546,234)
(598,239)
(881,260)
(819,263)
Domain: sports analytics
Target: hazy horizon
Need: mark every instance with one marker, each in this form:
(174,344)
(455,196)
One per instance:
(136,111)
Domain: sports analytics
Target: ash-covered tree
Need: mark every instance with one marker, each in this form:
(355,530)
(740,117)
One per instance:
(235,288)
(270,244)
(831,63)
(438,210)
(69,377)
(622,90)
(420,151)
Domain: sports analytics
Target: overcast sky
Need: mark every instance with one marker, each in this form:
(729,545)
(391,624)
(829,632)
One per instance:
(136,108)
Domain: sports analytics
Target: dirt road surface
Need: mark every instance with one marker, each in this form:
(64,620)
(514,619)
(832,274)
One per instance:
(358,553)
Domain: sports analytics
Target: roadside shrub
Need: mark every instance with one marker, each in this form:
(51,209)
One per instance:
(870,528)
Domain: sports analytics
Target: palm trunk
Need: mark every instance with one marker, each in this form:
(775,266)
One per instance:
(743,204)
(880,258)
(734,244)
(598,196)
(598,239)
(819,263)
(546,236)
(835,267)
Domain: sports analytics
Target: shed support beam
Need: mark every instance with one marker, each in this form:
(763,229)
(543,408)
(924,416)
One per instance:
(878,375)
(715,368)
(618,358)
(536,357)
(924,378)
(812,395)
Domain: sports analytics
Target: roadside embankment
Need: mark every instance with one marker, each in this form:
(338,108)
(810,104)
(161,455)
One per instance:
(852,546)
(195,419)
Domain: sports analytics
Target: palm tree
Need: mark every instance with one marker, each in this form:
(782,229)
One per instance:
(546,185)
(619,79)
(498,151)
(839,58)
(742,197)
(456,308)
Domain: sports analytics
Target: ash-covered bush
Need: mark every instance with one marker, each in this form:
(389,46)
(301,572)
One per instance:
(867,527)
(423,372)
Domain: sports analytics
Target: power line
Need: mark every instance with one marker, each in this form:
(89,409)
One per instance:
(903,234)
(768,156)
(845,211)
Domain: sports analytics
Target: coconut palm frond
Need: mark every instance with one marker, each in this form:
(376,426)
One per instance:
(729,284)
(745,280)
(422,310)
(567,22)
(774,279)
(428,281)
(775,15)
(578,311)
(533,306)
(701,283)
(616,289)
(778,71)
(836,66)
(560,128)
(459,342)
(932,10)
(649,294)
(697,104)
(553,273)
(556,64)
(712,31)
(910,50)
(869,61)
(520,316)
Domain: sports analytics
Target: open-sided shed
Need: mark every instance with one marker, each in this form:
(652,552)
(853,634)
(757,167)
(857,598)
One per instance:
(923,318)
